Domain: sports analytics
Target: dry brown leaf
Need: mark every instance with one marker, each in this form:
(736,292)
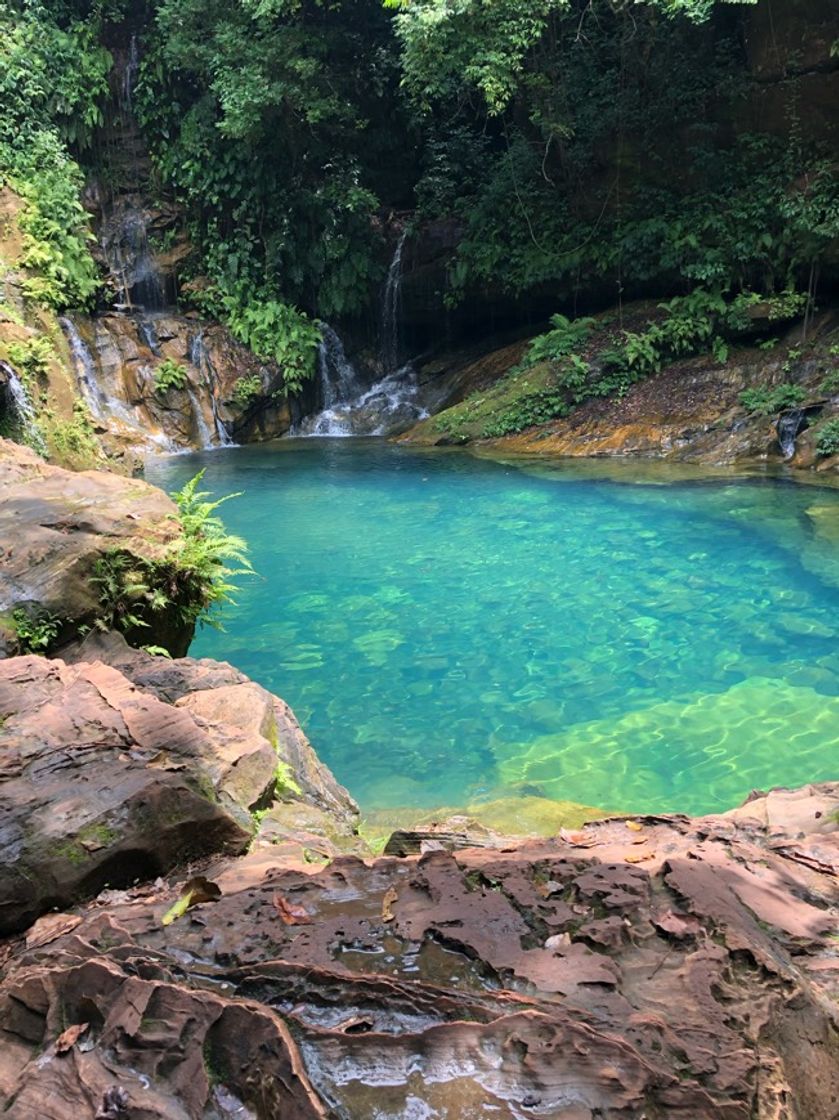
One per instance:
(68,1039)
(290,912)
(638,857)
(633,826)
(390,896)
(558,941)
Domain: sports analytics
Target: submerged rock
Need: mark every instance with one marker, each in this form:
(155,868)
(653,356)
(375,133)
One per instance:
(656,966)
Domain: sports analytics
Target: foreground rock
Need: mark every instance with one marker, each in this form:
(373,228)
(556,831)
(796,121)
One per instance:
(104,782)
(658,967)
(56,525)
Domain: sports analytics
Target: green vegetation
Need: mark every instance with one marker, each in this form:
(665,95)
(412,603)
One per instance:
(72,440)
(34,630)
(189,583)
(552,379)
(169,375)
(827,442)
(771,400)
(247,389)
(53,80)
(31,358)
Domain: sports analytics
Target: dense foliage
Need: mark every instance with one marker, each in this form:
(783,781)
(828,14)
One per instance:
(53,79)
(583,149)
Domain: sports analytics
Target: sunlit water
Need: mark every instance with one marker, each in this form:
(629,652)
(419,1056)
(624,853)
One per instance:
(449,629)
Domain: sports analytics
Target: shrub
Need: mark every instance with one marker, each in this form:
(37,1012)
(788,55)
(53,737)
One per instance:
(36,630)
(768,401)
(247,389)
(566,336)
(32,357)
(275,332)
(193,578)
(169,375)
(827,440)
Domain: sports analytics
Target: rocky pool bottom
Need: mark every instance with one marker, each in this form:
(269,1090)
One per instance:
(191,927)
(505,636)
(638,967)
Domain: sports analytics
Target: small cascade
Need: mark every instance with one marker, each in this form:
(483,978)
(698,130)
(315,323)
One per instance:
(200,358)
(389,344)
(23,408)
(352,407)
(85,368)
(205,436)
(128,78)
(102,391)
(147,331)
(339,384)
(788,425)
(125,243)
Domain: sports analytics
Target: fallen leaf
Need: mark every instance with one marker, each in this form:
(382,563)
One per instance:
(390,896)
(638,857)
(577,839)
(290,913)
(195,891)
(558,941)
(633,826)
(68,1039)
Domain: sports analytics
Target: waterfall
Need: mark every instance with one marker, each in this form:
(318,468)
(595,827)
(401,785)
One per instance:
(128,78)
(23,409)
(125,243)
(389,349)
(352,407)
(788,425)
(147,331)
(85,368)
(200,358)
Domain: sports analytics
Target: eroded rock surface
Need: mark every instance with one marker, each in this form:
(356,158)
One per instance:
(226,394)
(104,782)
(660,968)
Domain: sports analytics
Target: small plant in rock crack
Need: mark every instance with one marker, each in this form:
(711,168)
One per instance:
(35,630)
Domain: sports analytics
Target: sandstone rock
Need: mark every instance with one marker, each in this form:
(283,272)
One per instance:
(244,708)
(120,353)
(102,782)
(56,524)
(656,967)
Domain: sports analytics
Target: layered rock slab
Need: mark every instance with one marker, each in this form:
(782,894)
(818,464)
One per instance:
(55,525)
(103,783)
(658,967)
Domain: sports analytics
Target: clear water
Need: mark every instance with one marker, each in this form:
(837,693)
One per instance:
(449,629)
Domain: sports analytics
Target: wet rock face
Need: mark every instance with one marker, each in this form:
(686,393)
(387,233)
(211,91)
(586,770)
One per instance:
(54,527)
(658,968)
(104,782)
(226,396)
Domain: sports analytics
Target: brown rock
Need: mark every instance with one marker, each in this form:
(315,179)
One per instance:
(542,978)
(103,782)
(56,524)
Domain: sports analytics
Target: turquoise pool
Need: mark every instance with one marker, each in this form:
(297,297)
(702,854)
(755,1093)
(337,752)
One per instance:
(450,629)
